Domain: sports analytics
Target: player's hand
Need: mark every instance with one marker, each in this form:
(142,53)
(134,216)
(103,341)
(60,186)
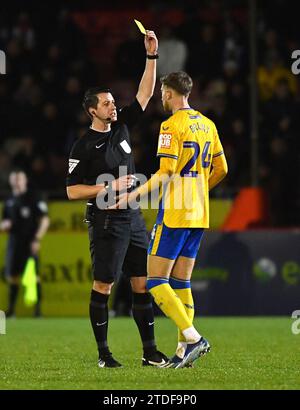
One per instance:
(151,42)
(35,246)
(122,183)
(126,200)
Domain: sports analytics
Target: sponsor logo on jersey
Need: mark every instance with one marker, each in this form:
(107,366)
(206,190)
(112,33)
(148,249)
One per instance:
(165,140)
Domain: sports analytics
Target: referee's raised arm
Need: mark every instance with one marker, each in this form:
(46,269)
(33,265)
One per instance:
(147,84)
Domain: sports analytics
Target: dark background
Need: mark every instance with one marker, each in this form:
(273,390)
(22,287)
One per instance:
(56,50)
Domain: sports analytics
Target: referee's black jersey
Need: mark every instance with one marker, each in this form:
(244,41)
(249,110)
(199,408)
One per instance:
(24,211)
(98,153)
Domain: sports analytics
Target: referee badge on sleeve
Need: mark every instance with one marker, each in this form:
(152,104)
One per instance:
(42,206)
(125,146)
(73,164)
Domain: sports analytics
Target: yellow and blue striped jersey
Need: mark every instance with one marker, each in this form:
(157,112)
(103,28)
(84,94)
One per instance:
(192,140)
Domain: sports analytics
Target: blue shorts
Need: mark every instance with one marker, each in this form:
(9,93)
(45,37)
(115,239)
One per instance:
(173,242)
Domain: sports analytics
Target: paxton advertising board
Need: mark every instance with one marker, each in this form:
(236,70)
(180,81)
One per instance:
(247,273)
(251,273)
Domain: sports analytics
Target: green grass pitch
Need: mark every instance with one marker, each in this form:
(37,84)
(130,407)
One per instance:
(247,353)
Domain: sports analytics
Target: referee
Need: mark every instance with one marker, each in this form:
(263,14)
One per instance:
(118,239)
(25,218)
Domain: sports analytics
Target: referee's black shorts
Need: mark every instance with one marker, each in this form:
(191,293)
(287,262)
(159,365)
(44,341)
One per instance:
(118,243)
(17,253)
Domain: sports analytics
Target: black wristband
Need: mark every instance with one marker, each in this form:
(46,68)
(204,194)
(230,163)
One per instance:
(154,57)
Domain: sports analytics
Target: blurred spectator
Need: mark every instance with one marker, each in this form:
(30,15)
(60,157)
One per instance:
(281,111)
(71,99)
(173,53)
(24,32)
(130,56)
(280,180)
(28,92)
(204,58)
(271,72)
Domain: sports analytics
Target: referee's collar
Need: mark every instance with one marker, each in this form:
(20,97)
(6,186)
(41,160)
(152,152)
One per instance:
(104,133)
(101,132)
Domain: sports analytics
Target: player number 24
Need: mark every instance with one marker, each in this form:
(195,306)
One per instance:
(205,158)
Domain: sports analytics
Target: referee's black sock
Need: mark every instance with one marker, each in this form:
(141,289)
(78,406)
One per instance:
(37,308)
(12,298)
(142,311)
(99,320)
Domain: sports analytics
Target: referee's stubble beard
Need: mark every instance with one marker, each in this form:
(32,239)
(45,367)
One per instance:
(105,112)
(107,120)
(104,117)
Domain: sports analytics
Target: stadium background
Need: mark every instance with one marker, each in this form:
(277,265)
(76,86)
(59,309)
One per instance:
(249,263)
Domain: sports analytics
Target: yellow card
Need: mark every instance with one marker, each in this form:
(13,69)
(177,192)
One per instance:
(140,26)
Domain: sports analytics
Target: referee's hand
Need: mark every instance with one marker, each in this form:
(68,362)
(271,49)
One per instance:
(151,42)
(35,246)
(122,183)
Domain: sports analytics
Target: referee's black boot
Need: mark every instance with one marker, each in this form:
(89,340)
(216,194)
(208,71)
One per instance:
(108,361)
(156,359)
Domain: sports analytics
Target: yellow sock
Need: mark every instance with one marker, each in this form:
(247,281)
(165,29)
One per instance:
(182,288)
(167,300)
(186,297)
